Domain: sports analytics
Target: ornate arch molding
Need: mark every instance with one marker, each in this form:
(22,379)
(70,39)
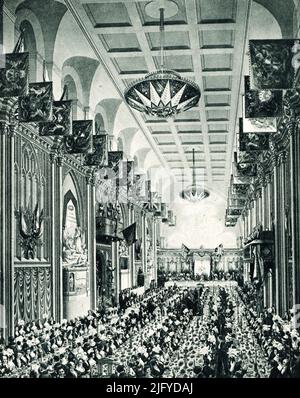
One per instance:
(80,215)
(70,196)
(101,111)
(68,70)
(85,68)
(25,14)
(283,12)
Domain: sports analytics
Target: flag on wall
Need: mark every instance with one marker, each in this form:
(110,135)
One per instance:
(81,139)
(115,163)
(251,142)
(171,218)
(129,234)
(164,212)
(243,170)
(37,105)
(273,63)
(61,124)
(14,76)
(259,124)
(129,173)
(139,187)
(239,190)
(99,157)
(262,103)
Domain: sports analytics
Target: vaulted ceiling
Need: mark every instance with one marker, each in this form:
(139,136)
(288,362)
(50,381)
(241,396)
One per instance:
(205,42)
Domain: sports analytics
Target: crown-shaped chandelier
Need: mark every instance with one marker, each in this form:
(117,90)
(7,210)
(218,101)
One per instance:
(193,193)
(162,93)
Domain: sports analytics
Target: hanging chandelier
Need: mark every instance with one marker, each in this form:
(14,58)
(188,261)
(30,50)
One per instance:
(162,93)
(193,193)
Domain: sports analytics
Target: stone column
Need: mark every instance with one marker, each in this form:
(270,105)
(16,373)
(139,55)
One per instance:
(56,236)
(91,233)
(131,248)
(154,245)
(294,155)
(116,266)
(269,227)
(283,252)
(7,228)
(276,233)
(144,245)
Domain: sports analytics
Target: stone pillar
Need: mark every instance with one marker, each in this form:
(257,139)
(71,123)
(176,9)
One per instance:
(131,249)
(91,233)
(144,245)
(294,154)
(7,228)
(269,227)
(154,245)
(1,24)
(283,252)
(116,267)
(56,238)
(276,234)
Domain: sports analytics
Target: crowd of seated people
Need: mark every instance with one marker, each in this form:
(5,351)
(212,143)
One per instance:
(277,336)
(170,332)
(48,349)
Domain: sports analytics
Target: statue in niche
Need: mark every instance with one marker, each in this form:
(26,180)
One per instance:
(71,282)
(123,249)
(74,248)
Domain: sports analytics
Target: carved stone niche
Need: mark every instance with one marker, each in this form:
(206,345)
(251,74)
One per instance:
(74,251)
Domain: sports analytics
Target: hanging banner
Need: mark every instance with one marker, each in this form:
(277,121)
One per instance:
(164,212)
(157,208)
(81,139)
(262,103)
(14,76)
(258,125)
(274,63)
(244,169)
(148,191)
(139,187)
(129,234)
(249,142)
(230,223)
(239,190)
(130,173)
(61,124)
(235,201)
(115,163)
(99,157)
(37,105)
(233,211)
(171,218)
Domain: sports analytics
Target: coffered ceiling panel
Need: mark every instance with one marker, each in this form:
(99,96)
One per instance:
(173,41)
(210,11)
(216,62)
(120,43)
(216,39)
(177,63)
(108,14)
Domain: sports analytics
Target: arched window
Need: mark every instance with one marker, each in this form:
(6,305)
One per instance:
(72,94)
(31,48)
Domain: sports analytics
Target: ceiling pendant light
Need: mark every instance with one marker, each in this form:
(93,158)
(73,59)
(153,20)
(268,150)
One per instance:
(162,93)
(193,193)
